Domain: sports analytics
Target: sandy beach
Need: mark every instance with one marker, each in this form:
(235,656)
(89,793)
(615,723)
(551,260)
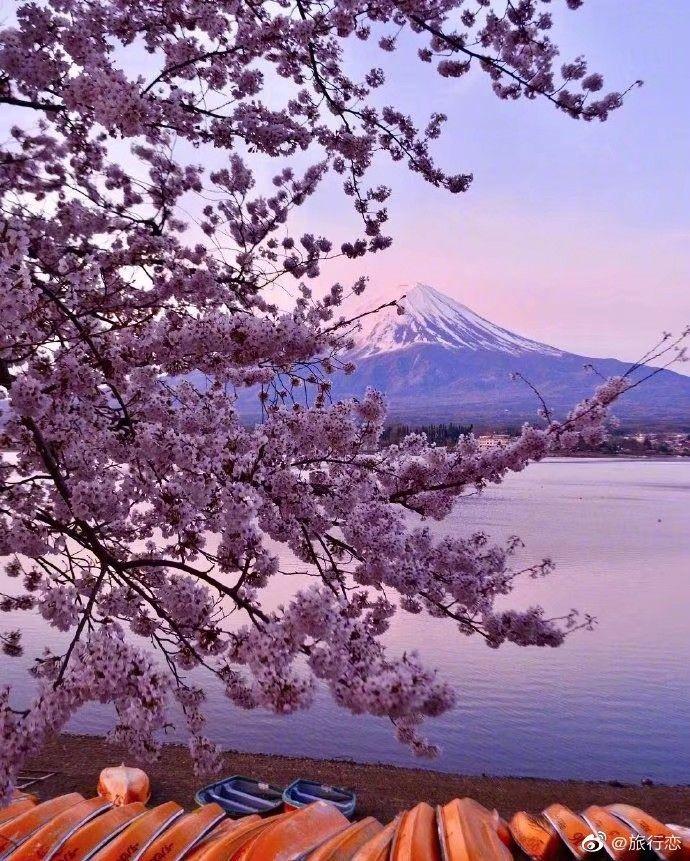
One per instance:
(382,790)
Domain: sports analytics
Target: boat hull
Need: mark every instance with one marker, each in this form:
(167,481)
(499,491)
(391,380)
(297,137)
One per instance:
(416,837)
(343,846)
(614,831)
(570,827)
(16,808)
(378,848)
(301,793)
(19,829)
(242,796)
(296,835)
(140,833)
(535,836)
(226,839)
(664,842)
(95,834)
(45,842)
(467,832)
(181,837)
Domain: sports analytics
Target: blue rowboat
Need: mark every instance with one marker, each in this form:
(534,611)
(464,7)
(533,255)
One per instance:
(242,796)
(302,792)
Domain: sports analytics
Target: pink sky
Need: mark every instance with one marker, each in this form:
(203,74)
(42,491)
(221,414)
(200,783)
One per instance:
(574,234)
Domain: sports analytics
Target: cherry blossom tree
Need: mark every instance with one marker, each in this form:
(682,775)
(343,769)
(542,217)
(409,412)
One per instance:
(138,298)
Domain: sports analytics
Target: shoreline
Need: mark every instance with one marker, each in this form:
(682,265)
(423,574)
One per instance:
(382,790)
(596,455)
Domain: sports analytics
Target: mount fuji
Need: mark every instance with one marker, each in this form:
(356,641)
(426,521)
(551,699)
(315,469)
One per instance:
(439,361)
(432,318)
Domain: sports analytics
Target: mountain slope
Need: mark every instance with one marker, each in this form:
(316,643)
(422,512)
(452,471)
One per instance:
(432,318)
(440,361)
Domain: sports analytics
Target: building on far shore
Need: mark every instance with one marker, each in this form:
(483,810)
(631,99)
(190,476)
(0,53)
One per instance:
(490,440)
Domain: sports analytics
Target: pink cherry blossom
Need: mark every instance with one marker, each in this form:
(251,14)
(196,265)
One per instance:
(136,301)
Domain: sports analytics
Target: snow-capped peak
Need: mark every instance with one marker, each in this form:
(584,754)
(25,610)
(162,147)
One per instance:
(431,317)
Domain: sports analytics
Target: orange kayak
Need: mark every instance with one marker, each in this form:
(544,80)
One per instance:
(95,834)
(243,847)
(378,848)
(15,808)
(666,843)
(139,834)
(571,828)
(535,836)
(467,832)
(242,843)
(297,834)
(416,838)
(619,838)
(174,843)
(19,829)
(343,846)
(499,825)
(124,785)
(53,834)
(226,837)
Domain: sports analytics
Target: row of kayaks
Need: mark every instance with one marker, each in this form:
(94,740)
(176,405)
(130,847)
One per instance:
(618,831)
(72,828)
(241,796)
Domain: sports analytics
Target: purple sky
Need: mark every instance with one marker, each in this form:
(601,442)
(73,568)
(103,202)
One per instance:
(574,234)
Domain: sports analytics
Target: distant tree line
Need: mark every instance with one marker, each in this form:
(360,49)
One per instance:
(641,444)
(441,434)
(619,442)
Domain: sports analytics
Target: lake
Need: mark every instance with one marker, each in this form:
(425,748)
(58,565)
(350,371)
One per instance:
(612,703)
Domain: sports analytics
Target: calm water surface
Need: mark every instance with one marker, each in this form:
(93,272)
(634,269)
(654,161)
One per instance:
(613,703)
